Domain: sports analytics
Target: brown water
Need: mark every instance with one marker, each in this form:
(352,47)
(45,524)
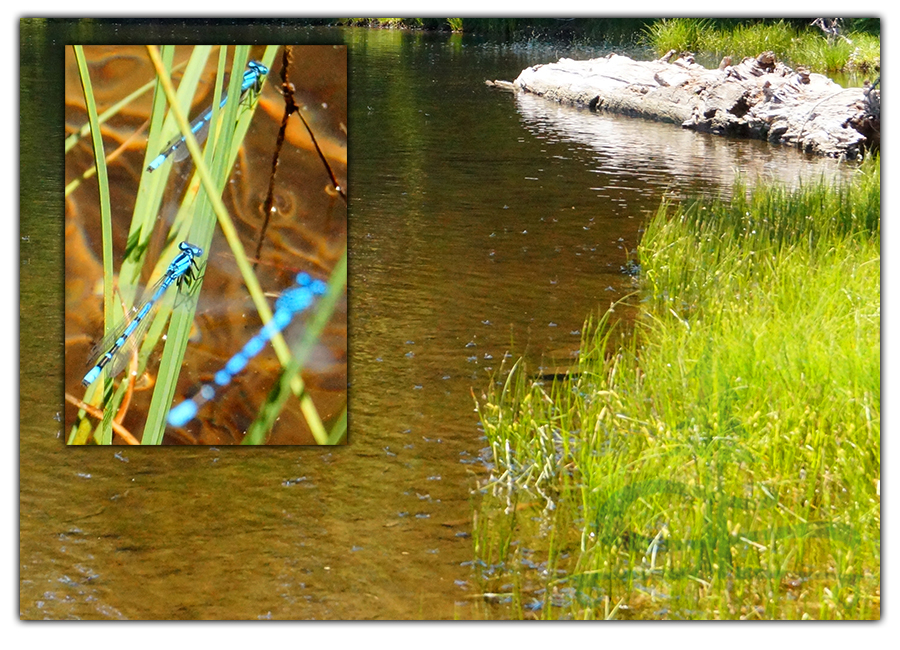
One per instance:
(481,224)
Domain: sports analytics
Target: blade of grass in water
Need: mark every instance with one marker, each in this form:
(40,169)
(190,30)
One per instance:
(112,111)
(220,152)
(128,280)
(339,430)
(105,225)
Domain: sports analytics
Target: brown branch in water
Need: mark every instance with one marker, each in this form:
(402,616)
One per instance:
(290,107)
(93,411)
(334,183)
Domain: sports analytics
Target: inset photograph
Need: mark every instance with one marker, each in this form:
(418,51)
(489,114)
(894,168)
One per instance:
(206,245)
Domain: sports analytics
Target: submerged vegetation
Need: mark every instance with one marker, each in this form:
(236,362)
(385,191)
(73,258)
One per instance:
(720,456)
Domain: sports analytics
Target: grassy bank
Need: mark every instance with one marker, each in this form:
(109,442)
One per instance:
(720,458)
(855,50)
(598,30)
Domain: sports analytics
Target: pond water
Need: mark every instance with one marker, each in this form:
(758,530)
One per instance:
(482,225)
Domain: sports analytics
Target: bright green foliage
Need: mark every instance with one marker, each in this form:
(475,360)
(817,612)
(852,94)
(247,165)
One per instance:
(724,452)
(857,51)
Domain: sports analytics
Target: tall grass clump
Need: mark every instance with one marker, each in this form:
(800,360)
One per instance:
(726,449)
(749,39)
(797,44)
(682,34)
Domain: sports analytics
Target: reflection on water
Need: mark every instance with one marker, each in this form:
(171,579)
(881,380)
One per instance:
(632,155)
(480,226)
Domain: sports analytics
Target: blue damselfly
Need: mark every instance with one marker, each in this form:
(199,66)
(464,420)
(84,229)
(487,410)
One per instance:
(115,347)
(291,302)
(199,127)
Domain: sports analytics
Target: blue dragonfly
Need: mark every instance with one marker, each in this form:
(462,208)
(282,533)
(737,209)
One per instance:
(200,126)
(114,350)
(291,302)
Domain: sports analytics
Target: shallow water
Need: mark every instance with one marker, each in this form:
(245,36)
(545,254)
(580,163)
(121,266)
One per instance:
(481,224)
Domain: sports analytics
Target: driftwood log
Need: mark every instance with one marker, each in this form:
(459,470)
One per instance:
(758,98)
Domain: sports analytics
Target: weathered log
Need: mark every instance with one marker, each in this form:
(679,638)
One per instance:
(759,98)
(497,83)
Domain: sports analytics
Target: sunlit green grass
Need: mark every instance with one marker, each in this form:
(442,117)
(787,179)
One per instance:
(722,453)
(808,46)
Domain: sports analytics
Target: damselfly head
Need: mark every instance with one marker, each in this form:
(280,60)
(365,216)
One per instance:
(195,251)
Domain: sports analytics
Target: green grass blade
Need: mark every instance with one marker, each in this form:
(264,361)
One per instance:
(339,430)
(105,213)
(197,226)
